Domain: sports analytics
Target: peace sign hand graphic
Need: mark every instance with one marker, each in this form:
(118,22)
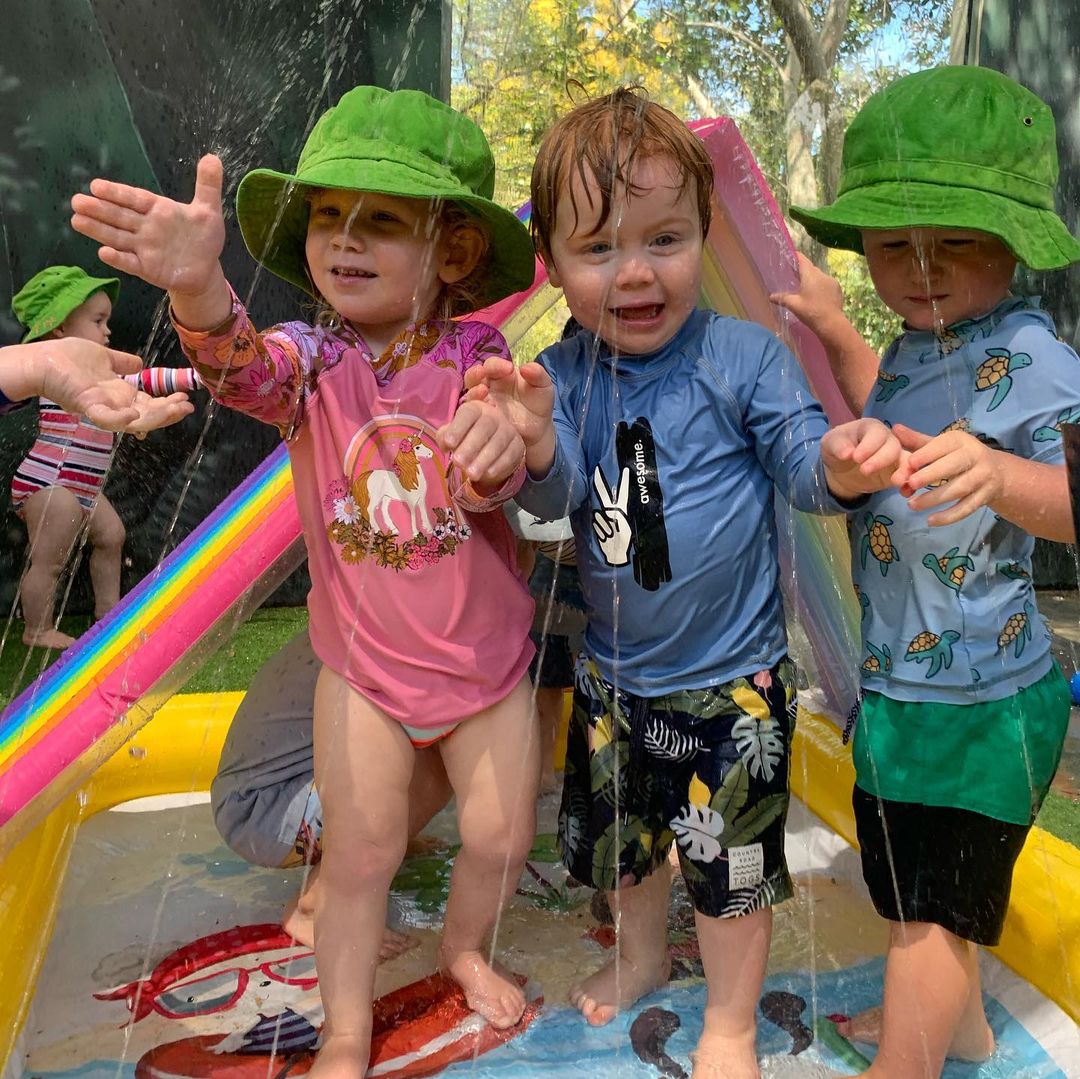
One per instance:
(610,523)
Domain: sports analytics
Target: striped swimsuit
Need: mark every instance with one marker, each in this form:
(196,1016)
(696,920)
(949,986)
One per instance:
(71,452)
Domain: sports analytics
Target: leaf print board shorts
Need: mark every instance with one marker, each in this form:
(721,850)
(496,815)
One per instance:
(704,768)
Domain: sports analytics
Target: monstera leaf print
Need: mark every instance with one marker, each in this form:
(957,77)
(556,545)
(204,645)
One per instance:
(698,829)
(760,744)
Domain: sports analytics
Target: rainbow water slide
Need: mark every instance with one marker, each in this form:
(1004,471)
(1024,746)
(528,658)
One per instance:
(73,743)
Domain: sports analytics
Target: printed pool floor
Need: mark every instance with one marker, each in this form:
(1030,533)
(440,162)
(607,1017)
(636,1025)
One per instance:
(154,905)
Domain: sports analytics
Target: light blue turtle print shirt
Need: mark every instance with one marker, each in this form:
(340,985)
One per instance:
(948,613)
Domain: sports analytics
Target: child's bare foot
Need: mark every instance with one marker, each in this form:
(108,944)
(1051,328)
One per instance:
(973,1046)
(489,992)
(724,1058)
(600,997)
(48,638)
(298,920)
(342,1056)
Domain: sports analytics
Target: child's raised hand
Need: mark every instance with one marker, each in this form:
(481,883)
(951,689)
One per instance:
(862,456)
(819,296)
(957,468)
(173,245)
(525,395)
(482,443)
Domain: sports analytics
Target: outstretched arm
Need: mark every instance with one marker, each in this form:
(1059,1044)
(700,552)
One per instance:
(959,469)
(819,303)
(82,377)
(173,245)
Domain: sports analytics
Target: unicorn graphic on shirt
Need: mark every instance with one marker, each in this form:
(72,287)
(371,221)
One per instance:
(376,490)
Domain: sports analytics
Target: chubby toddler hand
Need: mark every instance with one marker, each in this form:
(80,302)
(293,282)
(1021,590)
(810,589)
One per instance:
(955,467)
(483,444)
(173,245)
(817,299)
(862,456)
(524,395)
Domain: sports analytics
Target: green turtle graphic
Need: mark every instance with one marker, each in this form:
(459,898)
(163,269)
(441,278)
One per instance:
(996,370)
(929,646)
(878,542)
(949,568)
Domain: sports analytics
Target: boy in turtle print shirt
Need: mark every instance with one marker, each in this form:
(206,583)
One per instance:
(948,181)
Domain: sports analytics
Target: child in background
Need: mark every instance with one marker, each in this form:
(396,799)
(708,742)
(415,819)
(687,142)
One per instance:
(557,633)
(418,613)
(671,425)
(948,181)
(546,555)
(57,488)
(263,797)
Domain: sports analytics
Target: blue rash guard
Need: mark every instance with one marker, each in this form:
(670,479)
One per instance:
(677,452)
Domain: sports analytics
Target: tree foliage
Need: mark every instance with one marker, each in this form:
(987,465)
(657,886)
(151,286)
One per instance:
(790,72)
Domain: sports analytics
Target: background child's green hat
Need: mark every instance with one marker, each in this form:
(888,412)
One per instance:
(952,147)
(403,143)
(52,294)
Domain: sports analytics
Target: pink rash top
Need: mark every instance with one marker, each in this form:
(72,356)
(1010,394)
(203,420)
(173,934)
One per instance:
(415,597)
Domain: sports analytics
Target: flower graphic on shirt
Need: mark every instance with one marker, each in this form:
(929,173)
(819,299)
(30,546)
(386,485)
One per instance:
(346,510)
(337,489)
(236,351)
(352,553)
(360,534)
(395,558)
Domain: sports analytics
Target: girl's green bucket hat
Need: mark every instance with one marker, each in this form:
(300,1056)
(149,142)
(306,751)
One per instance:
(952,147)
(43,303)
(401,143)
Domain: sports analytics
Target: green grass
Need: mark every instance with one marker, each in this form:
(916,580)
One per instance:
(230,668)
(233,666)
(1060,816)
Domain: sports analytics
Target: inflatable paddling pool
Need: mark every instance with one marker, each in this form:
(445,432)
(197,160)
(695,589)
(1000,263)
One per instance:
(56,738)
(166,962)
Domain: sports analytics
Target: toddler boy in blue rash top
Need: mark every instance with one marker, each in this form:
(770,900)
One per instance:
(661,430)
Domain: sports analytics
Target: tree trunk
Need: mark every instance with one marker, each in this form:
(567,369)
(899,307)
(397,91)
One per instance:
(811,58)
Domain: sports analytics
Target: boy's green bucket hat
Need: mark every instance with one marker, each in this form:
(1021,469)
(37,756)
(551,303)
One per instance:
(952,147)
(401,143)
(52,294)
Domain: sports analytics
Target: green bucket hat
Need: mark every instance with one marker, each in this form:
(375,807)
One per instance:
(402,143)
(52,294)
(952,147)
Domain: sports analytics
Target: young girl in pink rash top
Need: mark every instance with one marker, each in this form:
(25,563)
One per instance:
(418,613)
